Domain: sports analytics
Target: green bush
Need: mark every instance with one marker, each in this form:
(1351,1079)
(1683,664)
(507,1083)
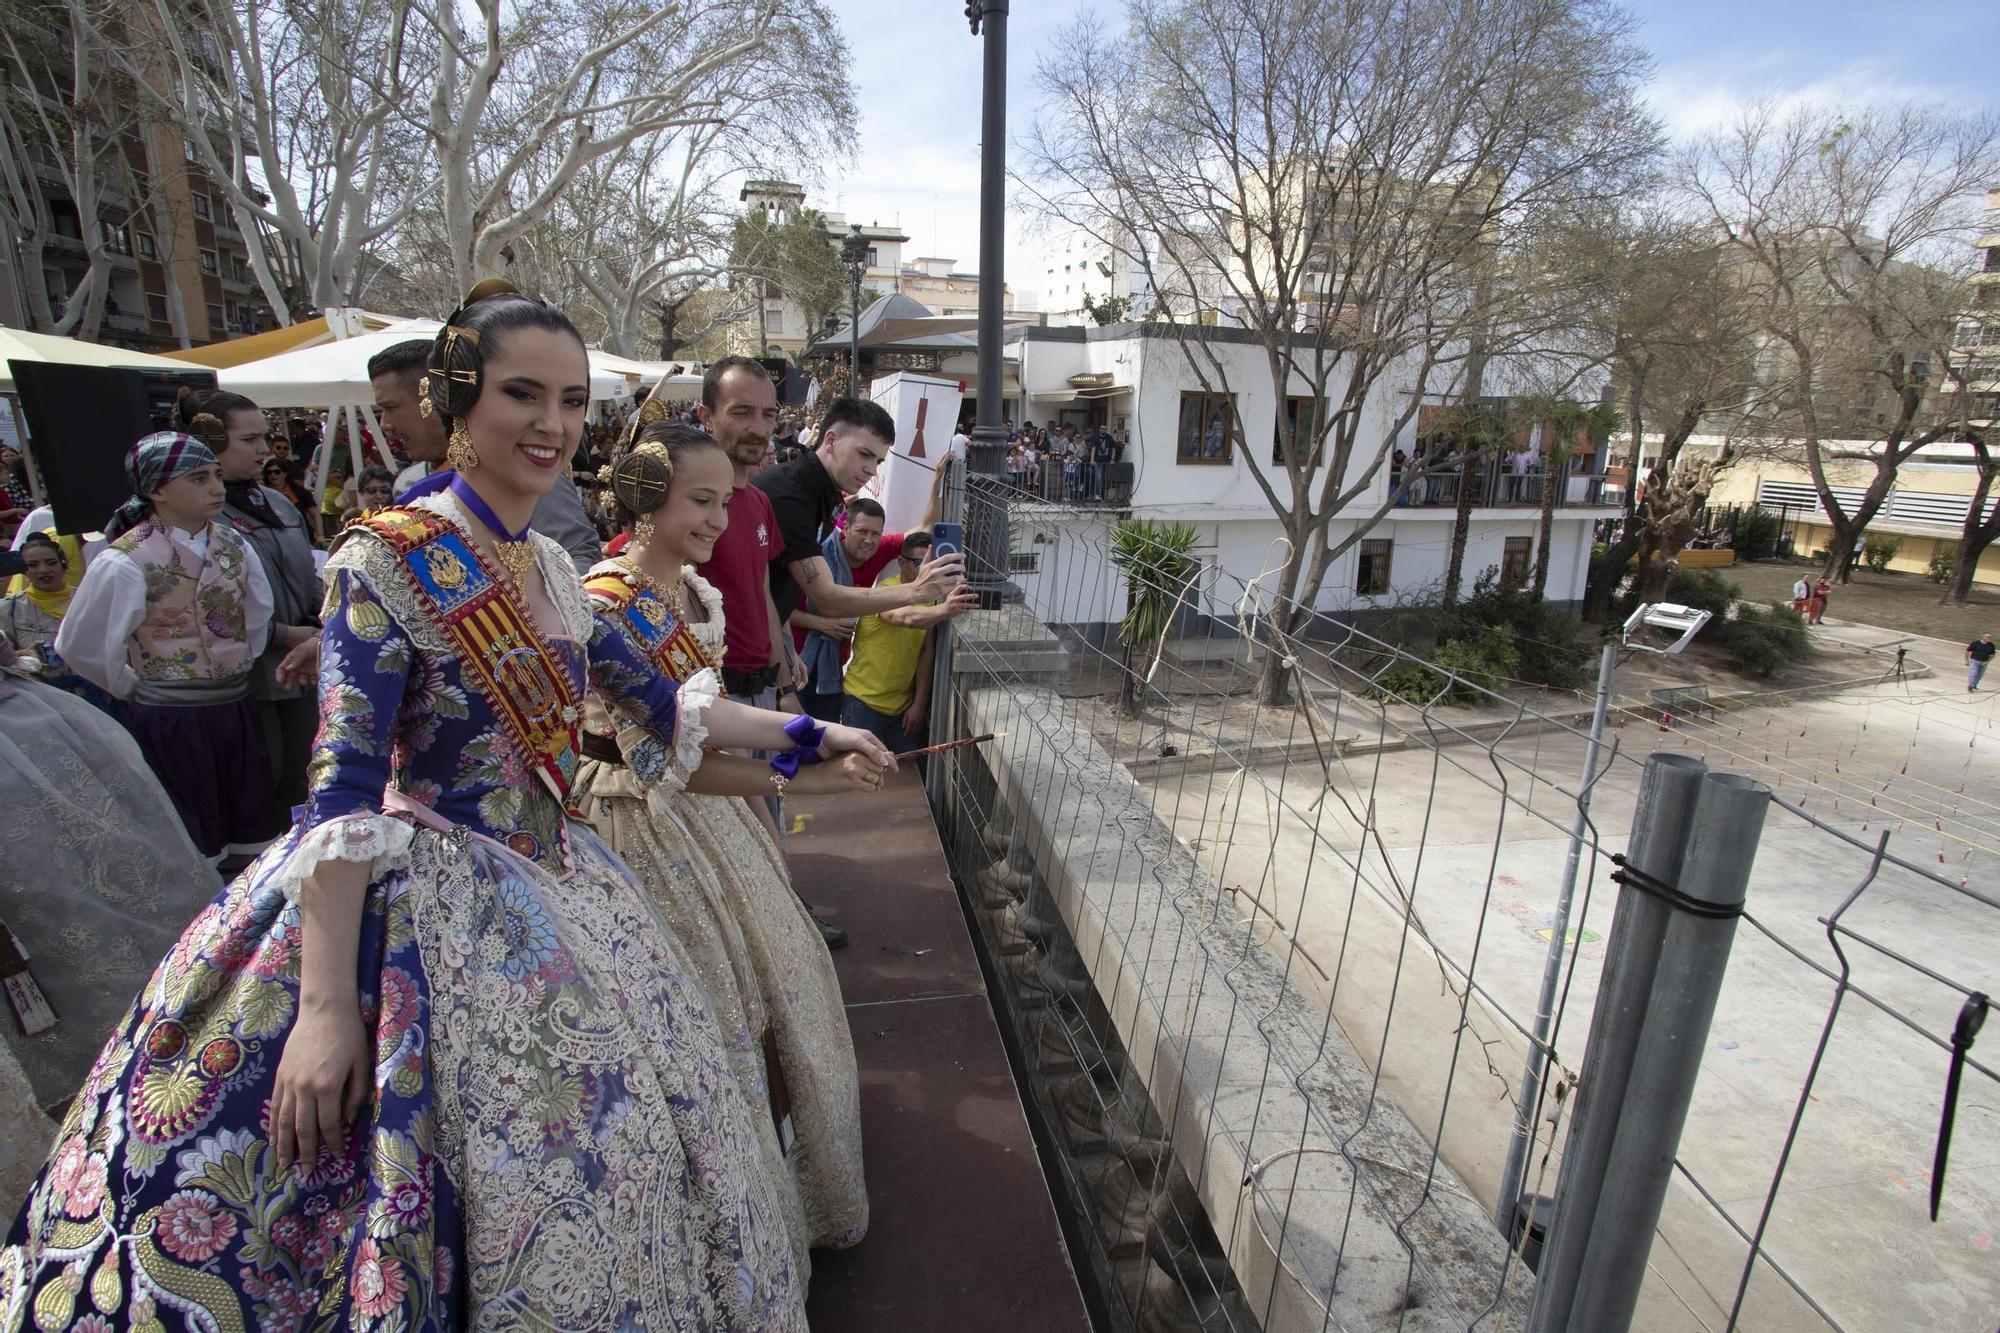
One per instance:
(1410,683)
(1755,535)
(1943,559)
(1484,660)
(1877,552)
(1547,645)
(1761,639)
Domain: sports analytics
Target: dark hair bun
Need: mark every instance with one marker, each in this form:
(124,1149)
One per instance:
(452,379)
(641,479)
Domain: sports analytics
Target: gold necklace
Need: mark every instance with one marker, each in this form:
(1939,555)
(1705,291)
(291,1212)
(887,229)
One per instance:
(517,558)
(637,576)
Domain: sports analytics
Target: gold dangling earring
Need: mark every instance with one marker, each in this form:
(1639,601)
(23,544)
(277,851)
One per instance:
(459,453)
(642,532)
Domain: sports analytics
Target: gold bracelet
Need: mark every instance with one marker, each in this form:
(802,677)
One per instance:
(778,784)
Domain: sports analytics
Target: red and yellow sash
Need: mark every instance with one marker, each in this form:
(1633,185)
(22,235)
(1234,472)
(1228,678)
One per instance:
(497,644)
(666,639)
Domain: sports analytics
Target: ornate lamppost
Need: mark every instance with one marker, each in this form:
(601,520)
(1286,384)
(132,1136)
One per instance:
(986,525)
(854,254)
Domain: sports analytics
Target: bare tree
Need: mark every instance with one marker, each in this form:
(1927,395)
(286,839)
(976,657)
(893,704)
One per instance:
(64,110)
(300,114)
(1355,183)
(527,98)
(1851,231)
(1980,527)
(1677,332)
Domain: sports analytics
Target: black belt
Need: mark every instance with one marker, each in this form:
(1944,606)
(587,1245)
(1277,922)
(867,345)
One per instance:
(749,682)
(604,749)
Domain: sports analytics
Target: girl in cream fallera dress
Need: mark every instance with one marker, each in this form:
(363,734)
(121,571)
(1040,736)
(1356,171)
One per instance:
(714,870)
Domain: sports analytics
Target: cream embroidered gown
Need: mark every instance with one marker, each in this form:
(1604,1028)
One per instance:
(722,886)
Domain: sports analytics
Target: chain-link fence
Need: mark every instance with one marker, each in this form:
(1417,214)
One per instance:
(1284,950)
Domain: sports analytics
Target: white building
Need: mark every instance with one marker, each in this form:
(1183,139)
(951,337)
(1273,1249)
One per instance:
(1074,264)
(1140,379)
(784,322)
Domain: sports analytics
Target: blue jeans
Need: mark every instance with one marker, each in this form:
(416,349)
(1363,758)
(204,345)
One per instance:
(884,727)
(1972,674)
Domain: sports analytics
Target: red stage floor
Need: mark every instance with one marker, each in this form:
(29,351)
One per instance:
(963,1236)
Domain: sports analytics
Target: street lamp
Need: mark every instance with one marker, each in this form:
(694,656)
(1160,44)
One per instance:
(854,254)
(1683,622)
(985,464)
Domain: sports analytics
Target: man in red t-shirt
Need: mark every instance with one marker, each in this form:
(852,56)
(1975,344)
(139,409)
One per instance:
(739,407)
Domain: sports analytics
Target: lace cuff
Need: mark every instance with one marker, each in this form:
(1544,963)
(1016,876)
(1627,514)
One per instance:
(697,694)
(380,842)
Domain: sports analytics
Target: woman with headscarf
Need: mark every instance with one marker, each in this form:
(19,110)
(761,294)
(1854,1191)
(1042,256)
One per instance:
(717,875)
(431,1062)
(31,618)
(170,618)
(235,431)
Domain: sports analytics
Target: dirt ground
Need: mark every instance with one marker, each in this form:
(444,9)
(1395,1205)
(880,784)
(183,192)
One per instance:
(1905,602)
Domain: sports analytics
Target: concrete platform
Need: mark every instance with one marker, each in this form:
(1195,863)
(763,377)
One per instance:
(963,1234)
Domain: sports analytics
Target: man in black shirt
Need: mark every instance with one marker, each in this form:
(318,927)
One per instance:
(854,438)
(1977,654)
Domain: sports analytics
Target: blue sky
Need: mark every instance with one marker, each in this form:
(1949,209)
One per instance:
(917,73)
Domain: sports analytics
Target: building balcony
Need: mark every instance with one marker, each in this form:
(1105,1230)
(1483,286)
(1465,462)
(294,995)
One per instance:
(119,321)
(1439,490)
(239,284)
(1107,486)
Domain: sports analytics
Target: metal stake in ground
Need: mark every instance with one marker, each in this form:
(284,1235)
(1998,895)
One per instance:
(1667,793)
(1531,1077)
(1722,845)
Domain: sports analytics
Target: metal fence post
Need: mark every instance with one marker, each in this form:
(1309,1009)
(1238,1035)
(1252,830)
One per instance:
(944,711)
(1668,789)
(1694,952)
(1516,1169)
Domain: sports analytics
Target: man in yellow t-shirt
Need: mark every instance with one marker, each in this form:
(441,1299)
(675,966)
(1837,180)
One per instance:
(887,685)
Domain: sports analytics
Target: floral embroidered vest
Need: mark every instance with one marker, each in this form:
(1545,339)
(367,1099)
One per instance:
(195,621)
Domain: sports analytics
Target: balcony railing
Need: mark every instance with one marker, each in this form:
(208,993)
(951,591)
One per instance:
(1495,490)
(1057,482)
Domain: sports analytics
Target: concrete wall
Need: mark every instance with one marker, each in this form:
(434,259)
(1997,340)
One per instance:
(1226,1042)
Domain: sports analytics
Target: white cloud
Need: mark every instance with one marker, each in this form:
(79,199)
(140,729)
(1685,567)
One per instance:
(1696,98)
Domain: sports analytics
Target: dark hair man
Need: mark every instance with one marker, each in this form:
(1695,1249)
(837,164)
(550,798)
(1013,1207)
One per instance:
(854,438)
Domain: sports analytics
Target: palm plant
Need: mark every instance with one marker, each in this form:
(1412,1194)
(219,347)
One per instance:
(1160,570)
(1564,422)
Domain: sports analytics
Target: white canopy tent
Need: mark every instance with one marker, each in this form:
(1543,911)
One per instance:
(334,375)
(47,349)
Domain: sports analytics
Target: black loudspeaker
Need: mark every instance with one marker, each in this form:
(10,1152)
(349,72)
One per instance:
(163,389)
(81,422)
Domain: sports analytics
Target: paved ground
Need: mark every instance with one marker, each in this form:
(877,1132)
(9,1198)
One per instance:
(1919,759)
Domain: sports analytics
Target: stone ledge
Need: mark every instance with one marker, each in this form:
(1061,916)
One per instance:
(1170,959)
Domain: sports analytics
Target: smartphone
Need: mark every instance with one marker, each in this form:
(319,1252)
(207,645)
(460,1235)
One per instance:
(947,539)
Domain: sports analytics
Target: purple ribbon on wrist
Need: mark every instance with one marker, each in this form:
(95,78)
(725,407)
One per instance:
(807,735)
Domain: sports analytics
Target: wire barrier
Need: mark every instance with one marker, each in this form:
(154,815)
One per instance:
(1272,942)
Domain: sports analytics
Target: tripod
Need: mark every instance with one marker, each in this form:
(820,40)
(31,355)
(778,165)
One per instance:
(1897,670)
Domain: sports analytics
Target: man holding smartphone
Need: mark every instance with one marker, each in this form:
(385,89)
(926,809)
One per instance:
(854,438)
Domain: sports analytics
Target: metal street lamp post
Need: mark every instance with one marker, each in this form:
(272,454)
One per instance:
(986,535)
(854,253)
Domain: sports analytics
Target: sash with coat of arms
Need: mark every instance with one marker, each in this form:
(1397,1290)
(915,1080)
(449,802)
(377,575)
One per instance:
(665,638)
(496,641)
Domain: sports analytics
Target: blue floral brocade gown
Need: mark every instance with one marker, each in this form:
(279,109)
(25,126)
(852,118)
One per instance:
(555,1138)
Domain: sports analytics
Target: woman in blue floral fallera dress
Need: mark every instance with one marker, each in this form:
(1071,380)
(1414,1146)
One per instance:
(431,1061)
